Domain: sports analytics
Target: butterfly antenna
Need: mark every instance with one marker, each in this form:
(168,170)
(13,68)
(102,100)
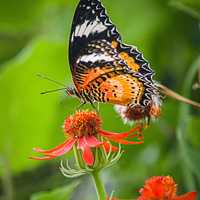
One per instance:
(50,91)
(49,79)
(165,90)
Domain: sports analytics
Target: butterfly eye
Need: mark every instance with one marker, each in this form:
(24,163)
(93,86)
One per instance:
(71,91)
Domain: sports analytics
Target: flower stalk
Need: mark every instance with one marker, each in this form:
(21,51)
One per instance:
(100,190)
(78,159)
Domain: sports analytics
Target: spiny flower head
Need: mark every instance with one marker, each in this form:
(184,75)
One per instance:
(82,124)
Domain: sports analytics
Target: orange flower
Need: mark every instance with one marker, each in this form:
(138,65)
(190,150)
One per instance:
(163,188)
(83,130)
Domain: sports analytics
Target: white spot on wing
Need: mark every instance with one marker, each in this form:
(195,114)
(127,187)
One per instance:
(95,57)
(86,29)
(82,29)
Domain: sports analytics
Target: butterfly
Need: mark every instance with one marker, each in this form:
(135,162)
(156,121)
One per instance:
(104,69)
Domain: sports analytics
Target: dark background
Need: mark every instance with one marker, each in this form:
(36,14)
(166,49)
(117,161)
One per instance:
(34,39)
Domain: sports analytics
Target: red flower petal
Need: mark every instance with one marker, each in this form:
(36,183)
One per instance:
(42,158)
(92,141)
(59,150)
(109,147)
(113,135)
(109,134)
(88,156)
(126,142)
(187,196)
(87,153)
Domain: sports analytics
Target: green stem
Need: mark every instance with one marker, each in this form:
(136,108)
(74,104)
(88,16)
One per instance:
(101,193)
(186,8)
(189,168)
(78,158)
(7,179)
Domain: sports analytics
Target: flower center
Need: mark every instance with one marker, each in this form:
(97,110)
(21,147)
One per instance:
(82,123)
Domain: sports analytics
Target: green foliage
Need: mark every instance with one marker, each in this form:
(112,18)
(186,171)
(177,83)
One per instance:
(63,193)
(193,132)
(190,159)
(192,7)
(28,116)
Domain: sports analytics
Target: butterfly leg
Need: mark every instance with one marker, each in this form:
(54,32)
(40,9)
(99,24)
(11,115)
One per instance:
(98,106)
(82,104)
(93,106)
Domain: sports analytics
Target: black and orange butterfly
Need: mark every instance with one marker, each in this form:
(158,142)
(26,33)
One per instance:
(104,69)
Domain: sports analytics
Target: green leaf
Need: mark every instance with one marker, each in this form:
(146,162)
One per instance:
(28,118)
(193,131)
(190,167)
(19,24)
(62,193)
(191,7)
(17,19)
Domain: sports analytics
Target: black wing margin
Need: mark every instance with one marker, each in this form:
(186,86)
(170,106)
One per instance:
(90,23)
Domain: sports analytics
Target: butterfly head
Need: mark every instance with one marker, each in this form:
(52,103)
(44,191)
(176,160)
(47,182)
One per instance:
(139,112)
(71,91)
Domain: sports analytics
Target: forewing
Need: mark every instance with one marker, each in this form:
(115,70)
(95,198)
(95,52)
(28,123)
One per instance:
(99,58)
(90,23)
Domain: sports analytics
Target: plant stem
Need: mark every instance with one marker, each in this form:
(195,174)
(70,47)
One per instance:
(7,179)
(78,158)
(190,169)
(101,193)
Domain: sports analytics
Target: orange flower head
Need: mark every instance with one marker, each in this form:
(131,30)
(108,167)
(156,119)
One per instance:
(162,188)
(82,124)
(83,131)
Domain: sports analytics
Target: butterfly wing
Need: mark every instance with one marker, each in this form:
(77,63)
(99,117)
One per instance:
(139,68)
(90,23)
(97,55)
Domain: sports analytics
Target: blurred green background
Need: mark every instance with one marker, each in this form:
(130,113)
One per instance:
(34,39)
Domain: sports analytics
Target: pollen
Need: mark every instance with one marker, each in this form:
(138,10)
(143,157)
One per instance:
(82,123)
